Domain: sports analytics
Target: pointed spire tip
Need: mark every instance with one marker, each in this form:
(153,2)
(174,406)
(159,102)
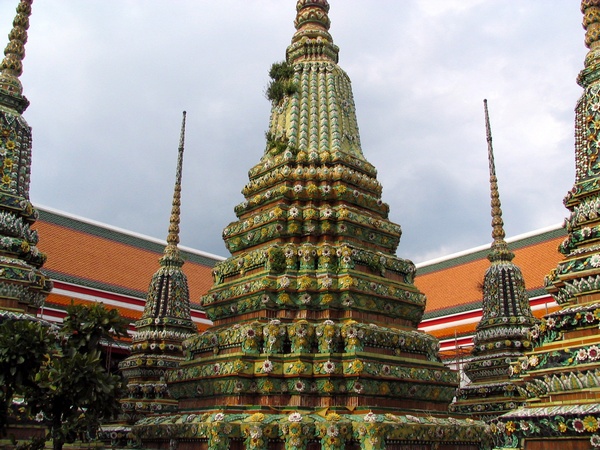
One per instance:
(499,250)
(173,236)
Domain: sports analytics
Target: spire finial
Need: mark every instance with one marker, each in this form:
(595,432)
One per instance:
(591,24)
(312,39)
(589,9)
(11,68)
(499,249)
(173,237)
(312,13)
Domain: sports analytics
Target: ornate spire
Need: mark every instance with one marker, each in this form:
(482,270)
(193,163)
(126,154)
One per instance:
(312,39)
(168,296)
(499,248)
(504,293)
(502,335)
(165,323)
(11,68)
(172,255)
(23,287)
(313,310)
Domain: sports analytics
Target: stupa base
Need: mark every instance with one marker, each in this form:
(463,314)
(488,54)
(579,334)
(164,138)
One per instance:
(310,430)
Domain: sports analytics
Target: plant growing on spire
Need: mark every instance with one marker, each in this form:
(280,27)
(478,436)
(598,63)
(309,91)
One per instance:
(276,145)
(281,83)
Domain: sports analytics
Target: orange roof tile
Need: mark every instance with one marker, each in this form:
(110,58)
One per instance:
(457,283)
(86,256)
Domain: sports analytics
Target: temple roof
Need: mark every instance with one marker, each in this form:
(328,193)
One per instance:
(94,262)
(110,258)
(535,253)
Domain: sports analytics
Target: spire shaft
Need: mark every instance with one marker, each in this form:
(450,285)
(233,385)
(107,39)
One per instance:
(173,236)
(157,345)
(168,293)
(499,247)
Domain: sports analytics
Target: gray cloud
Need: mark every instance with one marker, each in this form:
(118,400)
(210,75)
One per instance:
(108,79)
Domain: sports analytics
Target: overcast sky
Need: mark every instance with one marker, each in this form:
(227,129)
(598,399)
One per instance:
(108,80)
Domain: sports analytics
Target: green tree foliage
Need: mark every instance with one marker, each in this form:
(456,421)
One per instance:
(70,386)
(85,327)
(281,83)
(24,347)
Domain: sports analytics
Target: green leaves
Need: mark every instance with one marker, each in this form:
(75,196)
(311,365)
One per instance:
(62,374)
(87,326)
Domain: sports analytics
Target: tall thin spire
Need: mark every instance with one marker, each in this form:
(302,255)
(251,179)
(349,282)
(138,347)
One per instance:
(11,68)
(168,296)
(498,300)
(172,250)
(165,323)
(502,335)
(23,286)
(499,248)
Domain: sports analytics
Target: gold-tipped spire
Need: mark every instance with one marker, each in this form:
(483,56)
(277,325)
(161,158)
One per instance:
(11,68)
(171,250)
(502,334)
(499,248)
(168,294)
(157,345)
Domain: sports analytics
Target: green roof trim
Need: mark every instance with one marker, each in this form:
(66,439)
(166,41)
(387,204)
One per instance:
(107,232)
(473,305)
(453,310)
(464,258)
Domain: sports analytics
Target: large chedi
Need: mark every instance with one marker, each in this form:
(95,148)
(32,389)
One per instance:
(315,341)
(23,287)
(561,375)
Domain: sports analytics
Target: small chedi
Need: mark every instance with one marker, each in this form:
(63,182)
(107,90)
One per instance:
(561,375)
(503,333)
(23,287)
(315,341)
(165,323)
